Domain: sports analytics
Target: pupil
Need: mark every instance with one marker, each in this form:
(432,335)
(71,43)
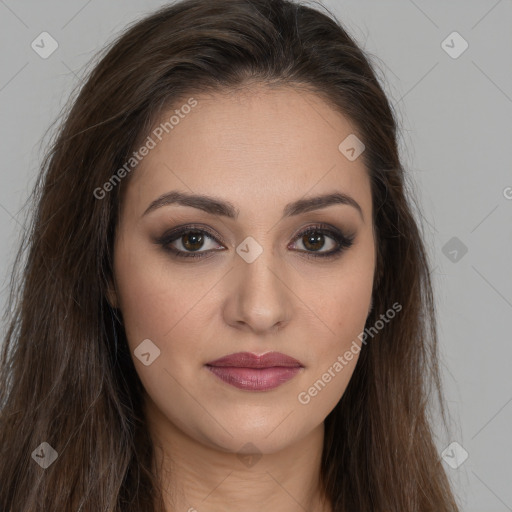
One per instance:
(193,241)
(314,240)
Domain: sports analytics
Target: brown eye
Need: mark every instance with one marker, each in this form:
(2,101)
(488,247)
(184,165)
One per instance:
(313,241)
(192,240)
(322,241)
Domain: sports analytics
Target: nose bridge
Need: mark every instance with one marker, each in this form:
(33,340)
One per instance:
(261,299)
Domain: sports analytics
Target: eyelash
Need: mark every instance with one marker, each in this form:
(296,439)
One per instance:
(343,241)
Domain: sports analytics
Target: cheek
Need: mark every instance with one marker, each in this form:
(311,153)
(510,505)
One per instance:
(341,309)
(335,354)
(155,298)
(169,308)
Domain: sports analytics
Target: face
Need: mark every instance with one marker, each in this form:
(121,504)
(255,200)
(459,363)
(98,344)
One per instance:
(251,267)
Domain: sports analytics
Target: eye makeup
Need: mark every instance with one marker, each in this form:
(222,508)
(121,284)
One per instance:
(191,235)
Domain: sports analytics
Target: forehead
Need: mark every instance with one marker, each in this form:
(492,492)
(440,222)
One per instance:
(263,145)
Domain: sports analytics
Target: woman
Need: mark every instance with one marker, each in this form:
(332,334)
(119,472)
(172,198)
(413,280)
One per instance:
(226,301)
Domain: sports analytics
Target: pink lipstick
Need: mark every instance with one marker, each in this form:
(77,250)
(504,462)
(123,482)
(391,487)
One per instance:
(253,372)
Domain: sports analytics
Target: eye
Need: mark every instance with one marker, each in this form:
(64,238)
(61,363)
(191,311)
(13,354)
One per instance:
(322,241)
(318,241)
(189,241)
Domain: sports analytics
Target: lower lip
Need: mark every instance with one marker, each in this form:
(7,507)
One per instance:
(255,379)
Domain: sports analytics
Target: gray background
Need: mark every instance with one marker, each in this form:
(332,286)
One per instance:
(455,116)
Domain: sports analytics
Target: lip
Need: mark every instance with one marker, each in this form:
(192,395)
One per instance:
(253,372)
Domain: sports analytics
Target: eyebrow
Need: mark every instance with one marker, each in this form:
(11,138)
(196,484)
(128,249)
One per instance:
(223,208)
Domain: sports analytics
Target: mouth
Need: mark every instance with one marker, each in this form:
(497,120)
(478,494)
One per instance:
(252,372)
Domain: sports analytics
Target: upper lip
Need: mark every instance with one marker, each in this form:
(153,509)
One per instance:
(250,360)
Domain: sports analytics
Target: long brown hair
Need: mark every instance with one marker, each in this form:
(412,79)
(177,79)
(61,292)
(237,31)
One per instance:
(67,377)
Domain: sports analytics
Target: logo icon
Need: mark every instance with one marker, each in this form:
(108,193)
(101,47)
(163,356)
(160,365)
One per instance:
(44,45)
(147,352)
(351,147)
(44,455)
(249,249)
(454,455)
(454,249)
(249,455)
(454,45)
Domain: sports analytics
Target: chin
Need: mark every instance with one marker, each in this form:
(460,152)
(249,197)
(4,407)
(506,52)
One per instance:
(255,435)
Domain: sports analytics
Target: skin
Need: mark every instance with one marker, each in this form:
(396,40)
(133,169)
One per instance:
(259,149)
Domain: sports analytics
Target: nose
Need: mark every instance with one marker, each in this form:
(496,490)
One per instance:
(259,299)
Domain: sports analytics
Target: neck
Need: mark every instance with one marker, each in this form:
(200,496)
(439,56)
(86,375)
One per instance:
(196,477)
